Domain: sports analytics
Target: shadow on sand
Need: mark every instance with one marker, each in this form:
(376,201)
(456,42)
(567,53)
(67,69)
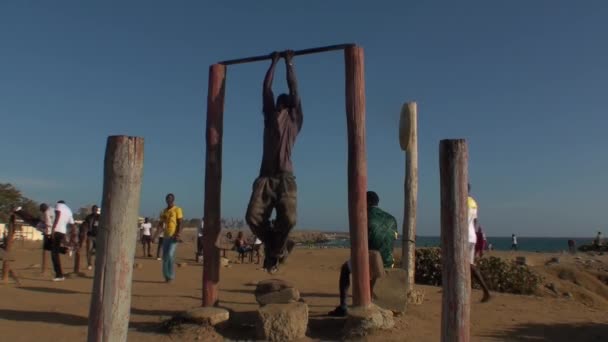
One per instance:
(554,332)
(50,290)
(43,317)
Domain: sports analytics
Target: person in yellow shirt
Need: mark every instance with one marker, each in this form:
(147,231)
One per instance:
(171,219)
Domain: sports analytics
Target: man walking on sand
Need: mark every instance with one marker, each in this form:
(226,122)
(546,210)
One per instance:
(63,219)
(171,219)
(91,224)
(513,242)
(472,218)
(382,233)
(275,188)
(146,237)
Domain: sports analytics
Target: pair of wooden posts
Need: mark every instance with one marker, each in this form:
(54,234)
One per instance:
(456,278)
(357,171)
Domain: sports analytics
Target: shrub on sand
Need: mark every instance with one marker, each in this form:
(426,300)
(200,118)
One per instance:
(500,275)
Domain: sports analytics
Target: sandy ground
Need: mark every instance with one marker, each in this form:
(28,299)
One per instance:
(41,310)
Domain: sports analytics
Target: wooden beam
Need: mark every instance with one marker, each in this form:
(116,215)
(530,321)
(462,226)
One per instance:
(296,53)
(408,136)
(213,183)
(357,174)
(455,266)
(111,296)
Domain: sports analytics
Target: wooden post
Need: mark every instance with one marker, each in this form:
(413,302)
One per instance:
(44,262)
(213,183)
(111,298)
(6,267)
(357,174)
(82,236)
(455,269)
(408,138)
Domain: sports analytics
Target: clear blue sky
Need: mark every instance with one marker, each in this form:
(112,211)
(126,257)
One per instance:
(524,82)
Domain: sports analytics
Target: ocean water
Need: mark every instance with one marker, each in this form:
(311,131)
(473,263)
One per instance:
(528,244)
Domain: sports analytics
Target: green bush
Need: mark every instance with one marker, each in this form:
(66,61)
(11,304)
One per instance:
(500,275)
(428,266)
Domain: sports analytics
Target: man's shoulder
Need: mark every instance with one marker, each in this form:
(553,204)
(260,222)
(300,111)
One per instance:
(377,215)
(380,212)
(63,208)
(177,210)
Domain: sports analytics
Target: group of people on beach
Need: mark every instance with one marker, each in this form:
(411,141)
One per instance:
(61,234)
(55,224)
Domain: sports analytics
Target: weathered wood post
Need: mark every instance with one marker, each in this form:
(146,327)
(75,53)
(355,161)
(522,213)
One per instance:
(81,240)
(357,174)
(6,268)
(408,139)
(44,262)
(455,269)
(213,183)
(111,298)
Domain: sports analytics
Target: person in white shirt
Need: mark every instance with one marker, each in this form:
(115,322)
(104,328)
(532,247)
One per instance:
(513,242)
(63,219)
(472,217)
(146,236)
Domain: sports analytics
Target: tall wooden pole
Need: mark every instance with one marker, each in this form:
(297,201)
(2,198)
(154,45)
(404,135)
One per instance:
(213,183)
(44,262)
(408,138)
(6,268)
(455,269)
(111,297)
(357,174)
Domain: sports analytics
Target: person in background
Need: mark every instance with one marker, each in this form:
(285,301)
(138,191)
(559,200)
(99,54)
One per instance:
(572,246)
(513,242)
(241,246)
(471,218)
(63,219)
(171,219)
(44,224)
(598,239)
(48,217)
(480,243)
(199,241)
(257,246)
(382,233)
(91,225)
(146,237)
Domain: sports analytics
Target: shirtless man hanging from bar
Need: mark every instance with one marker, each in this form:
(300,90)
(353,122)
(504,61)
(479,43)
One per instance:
(275,188)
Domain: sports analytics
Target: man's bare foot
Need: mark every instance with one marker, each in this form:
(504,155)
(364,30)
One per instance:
(486,298)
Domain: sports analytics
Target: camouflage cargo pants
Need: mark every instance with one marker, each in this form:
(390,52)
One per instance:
(279,193)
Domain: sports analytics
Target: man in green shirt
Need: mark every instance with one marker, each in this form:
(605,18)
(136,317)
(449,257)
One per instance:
(381,236)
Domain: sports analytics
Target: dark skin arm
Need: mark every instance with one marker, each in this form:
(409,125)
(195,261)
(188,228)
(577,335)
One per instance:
(177,229)
(267,94)
(296,110)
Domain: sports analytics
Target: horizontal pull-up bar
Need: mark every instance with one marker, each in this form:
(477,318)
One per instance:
(296,53)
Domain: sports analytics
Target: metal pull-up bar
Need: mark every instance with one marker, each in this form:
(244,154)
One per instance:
(296,53)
